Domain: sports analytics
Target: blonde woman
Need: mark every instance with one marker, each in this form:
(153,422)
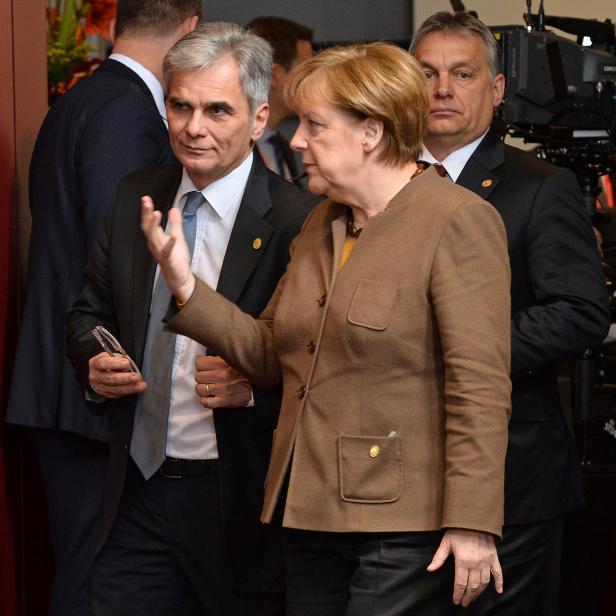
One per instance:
(390,334)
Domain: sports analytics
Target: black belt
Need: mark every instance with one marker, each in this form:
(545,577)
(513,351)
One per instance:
(173,468)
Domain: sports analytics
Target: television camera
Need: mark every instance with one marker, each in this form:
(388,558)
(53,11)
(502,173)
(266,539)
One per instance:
(561,93)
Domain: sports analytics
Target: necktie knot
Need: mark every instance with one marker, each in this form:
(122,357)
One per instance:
(440,170)
(194,200)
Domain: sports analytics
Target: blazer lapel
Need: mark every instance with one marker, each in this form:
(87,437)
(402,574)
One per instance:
(144,266)
(250,236)
(479,174)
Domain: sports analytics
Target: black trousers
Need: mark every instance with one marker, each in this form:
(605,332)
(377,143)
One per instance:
(365,574)
(166,555)
(530,556)
(73,471)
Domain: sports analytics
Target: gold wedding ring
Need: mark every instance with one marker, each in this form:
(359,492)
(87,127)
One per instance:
(207,389)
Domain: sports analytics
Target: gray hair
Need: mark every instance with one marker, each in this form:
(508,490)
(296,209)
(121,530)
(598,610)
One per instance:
(210,42)
(461,23)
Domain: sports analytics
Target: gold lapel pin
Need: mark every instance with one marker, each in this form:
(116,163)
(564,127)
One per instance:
(257,243)
(486,183)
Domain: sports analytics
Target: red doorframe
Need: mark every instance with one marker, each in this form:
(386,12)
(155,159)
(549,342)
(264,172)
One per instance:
(25,564)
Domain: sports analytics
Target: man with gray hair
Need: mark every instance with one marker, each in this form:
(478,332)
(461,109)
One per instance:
(558,300)
(190,438)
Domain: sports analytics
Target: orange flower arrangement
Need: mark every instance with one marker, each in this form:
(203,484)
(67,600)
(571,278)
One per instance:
(69,23)
(99,18)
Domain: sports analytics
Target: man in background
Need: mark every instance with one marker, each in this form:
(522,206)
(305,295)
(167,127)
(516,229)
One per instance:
(292,44)
(558,298)
(108,125)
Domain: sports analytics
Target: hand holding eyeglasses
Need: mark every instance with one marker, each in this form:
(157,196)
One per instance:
(113,373)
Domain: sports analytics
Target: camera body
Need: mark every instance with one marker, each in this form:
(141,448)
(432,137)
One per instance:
(556,88)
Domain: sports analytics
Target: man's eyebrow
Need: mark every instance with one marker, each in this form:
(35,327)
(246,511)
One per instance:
(466,63)
(224,105)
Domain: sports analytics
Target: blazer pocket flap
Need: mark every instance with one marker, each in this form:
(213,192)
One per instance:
(372,304)
(370,468)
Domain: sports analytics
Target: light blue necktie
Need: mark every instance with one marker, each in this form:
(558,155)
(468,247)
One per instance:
(151,414)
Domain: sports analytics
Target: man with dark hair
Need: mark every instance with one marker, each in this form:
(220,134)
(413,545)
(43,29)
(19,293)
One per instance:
(289,40)
(292,44)
(558,298)
(153,18)
(108,125)
(184,491)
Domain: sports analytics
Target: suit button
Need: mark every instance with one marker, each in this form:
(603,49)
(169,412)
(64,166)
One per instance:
(311,346)
(374,451)
(301,392)
(321,301)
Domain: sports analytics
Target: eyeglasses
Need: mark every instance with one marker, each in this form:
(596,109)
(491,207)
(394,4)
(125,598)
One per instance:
(111,346)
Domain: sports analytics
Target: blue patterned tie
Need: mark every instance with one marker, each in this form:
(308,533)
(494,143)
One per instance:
(150,428)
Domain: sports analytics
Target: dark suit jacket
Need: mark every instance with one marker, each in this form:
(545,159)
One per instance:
(105,127)
(559,308)
(286,129)
(117,294)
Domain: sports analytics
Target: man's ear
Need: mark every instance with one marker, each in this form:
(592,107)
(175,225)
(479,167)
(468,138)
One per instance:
(498,89)
(372,134)
(259,122)
(112,25)
(188,25)
(193,22)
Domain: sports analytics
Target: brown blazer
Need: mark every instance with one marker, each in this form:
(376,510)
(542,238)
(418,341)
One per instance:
(395,369)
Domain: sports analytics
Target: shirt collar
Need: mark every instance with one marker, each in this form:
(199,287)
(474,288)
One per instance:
(456,161)
(222,193)
(148,77)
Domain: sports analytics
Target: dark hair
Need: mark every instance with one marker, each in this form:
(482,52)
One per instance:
(461,23)
(282,34)
(154,17)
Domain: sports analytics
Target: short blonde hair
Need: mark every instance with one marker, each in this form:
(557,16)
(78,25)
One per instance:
(377,80)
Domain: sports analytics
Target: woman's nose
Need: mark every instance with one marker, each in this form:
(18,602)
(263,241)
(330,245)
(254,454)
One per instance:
(298,142)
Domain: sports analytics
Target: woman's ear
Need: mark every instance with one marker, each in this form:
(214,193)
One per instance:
(373,133)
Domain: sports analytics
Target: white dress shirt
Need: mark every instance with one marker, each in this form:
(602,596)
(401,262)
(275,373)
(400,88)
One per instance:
(456,161)
(190,431)
(150,80)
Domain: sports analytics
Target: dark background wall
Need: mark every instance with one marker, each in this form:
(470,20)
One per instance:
(332,20)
